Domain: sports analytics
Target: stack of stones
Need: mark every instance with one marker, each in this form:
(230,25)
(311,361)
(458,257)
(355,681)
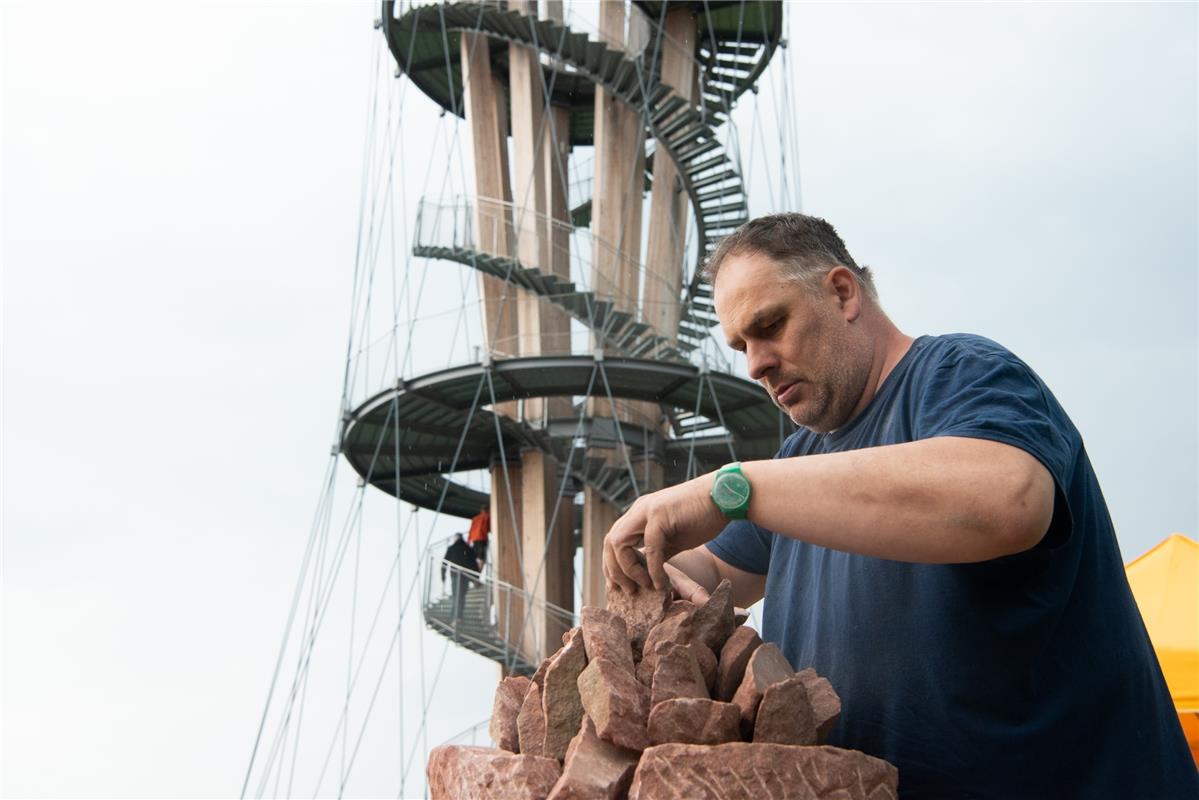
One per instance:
(660,699)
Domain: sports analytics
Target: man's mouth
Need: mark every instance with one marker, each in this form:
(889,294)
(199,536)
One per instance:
(787,393)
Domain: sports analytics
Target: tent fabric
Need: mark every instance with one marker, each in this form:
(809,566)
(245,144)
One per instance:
(1165,582)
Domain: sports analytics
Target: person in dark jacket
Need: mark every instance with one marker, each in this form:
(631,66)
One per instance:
(459,554)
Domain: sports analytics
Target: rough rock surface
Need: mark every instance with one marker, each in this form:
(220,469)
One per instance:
(458,772)
(509,696)
(715,620)
(530,723)
(560,696)
(641,611)
(539,675)
(785,715)
(595,769)
(767,666)
(674,627)
(691,720)
(826,703)
(707,663)
(676,675)
(605,635)
(617,703)
(741,771)
(734,656)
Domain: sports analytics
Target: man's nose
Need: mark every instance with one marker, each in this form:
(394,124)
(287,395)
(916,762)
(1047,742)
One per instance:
(760,360)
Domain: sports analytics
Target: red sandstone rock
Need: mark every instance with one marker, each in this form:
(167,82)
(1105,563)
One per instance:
(530,723)
(694,720)
(560,696)
(595,769)
(640,610)
(714,620)
(539,676)
(605,635)
(733,658)
(617,703)
(568,635)
(674,627)
(826,704)
(676,675)
(741,771)
(707,663)
(785,715)
(509,696)
(767,666)
(456,772)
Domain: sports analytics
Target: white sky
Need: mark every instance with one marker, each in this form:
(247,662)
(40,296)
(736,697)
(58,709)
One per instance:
(180,198)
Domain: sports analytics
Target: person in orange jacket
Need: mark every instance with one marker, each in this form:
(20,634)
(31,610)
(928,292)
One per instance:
(480,528)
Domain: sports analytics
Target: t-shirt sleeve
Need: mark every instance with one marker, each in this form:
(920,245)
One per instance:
(995,396)
(743,545)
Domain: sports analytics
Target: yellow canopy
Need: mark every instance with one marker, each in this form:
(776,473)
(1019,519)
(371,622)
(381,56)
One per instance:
(1165,582)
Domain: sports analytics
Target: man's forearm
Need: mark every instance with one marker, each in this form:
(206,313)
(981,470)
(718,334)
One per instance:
(937,500)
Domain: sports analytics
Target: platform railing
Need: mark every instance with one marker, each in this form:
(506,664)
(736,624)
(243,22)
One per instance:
(470,225)
(509,625)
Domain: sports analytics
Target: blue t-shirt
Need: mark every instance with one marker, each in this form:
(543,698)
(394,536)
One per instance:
(1028,676)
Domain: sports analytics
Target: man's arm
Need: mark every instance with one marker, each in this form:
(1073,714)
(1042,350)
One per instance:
(940,500)
(697,572)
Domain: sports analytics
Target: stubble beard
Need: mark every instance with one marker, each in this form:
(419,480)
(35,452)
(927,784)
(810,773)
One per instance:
(835,385)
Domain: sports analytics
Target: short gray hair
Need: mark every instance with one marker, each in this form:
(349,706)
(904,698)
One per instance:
(805,248)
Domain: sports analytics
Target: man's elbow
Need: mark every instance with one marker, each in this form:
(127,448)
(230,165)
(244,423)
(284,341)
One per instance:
(1025,507)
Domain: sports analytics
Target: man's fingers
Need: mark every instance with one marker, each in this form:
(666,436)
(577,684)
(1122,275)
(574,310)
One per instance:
(614,570)
(633,565)
(656,554)
(686,588)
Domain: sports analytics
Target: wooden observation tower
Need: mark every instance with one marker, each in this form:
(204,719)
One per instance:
(572,429)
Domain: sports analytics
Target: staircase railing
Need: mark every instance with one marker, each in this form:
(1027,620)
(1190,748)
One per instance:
(508,625)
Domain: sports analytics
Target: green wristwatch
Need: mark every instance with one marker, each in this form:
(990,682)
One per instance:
(731,491)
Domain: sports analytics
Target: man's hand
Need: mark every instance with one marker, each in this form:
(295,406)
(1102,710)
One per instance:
(662,524)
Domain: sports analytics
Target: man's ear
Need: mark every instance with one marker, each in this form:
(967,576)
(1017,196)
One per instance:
(840,283)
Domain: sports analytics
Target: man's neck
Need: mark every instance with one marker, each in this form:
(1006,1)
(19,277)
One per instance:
(890,346)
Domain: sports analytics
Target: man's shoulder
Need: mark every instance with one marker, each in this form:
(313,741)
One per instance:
(951,346)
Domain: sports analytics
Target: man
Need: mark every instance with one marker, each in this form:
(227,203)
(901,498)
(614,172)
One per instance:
(460,556)
(932,539)
(480,529)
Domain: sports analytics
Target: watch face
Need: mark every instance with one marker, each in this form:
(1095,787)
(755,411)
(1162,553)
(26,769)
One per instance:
(730,490)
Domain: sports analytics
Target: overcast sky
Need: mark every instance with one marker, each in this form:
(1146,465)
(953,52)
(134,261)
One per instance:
(180,200)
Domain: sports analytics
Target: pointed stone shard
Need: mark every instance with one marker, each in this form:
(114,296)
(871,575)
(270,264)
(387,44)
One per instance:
(707,663)
(674,627)
(640,610)
(826,704)
(767,666)
(560,696)
(785,716)
(605,635)
(733,658)
(539,675)
(676,674)
(741,771)
(694,720)
(715,619)
(456,772)
(617,703)
(595,769)
(509,696)
(530,723)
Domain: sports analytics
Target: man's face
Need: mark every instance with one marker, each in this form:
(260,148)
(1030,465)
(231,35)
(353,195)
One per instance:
(800,346)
